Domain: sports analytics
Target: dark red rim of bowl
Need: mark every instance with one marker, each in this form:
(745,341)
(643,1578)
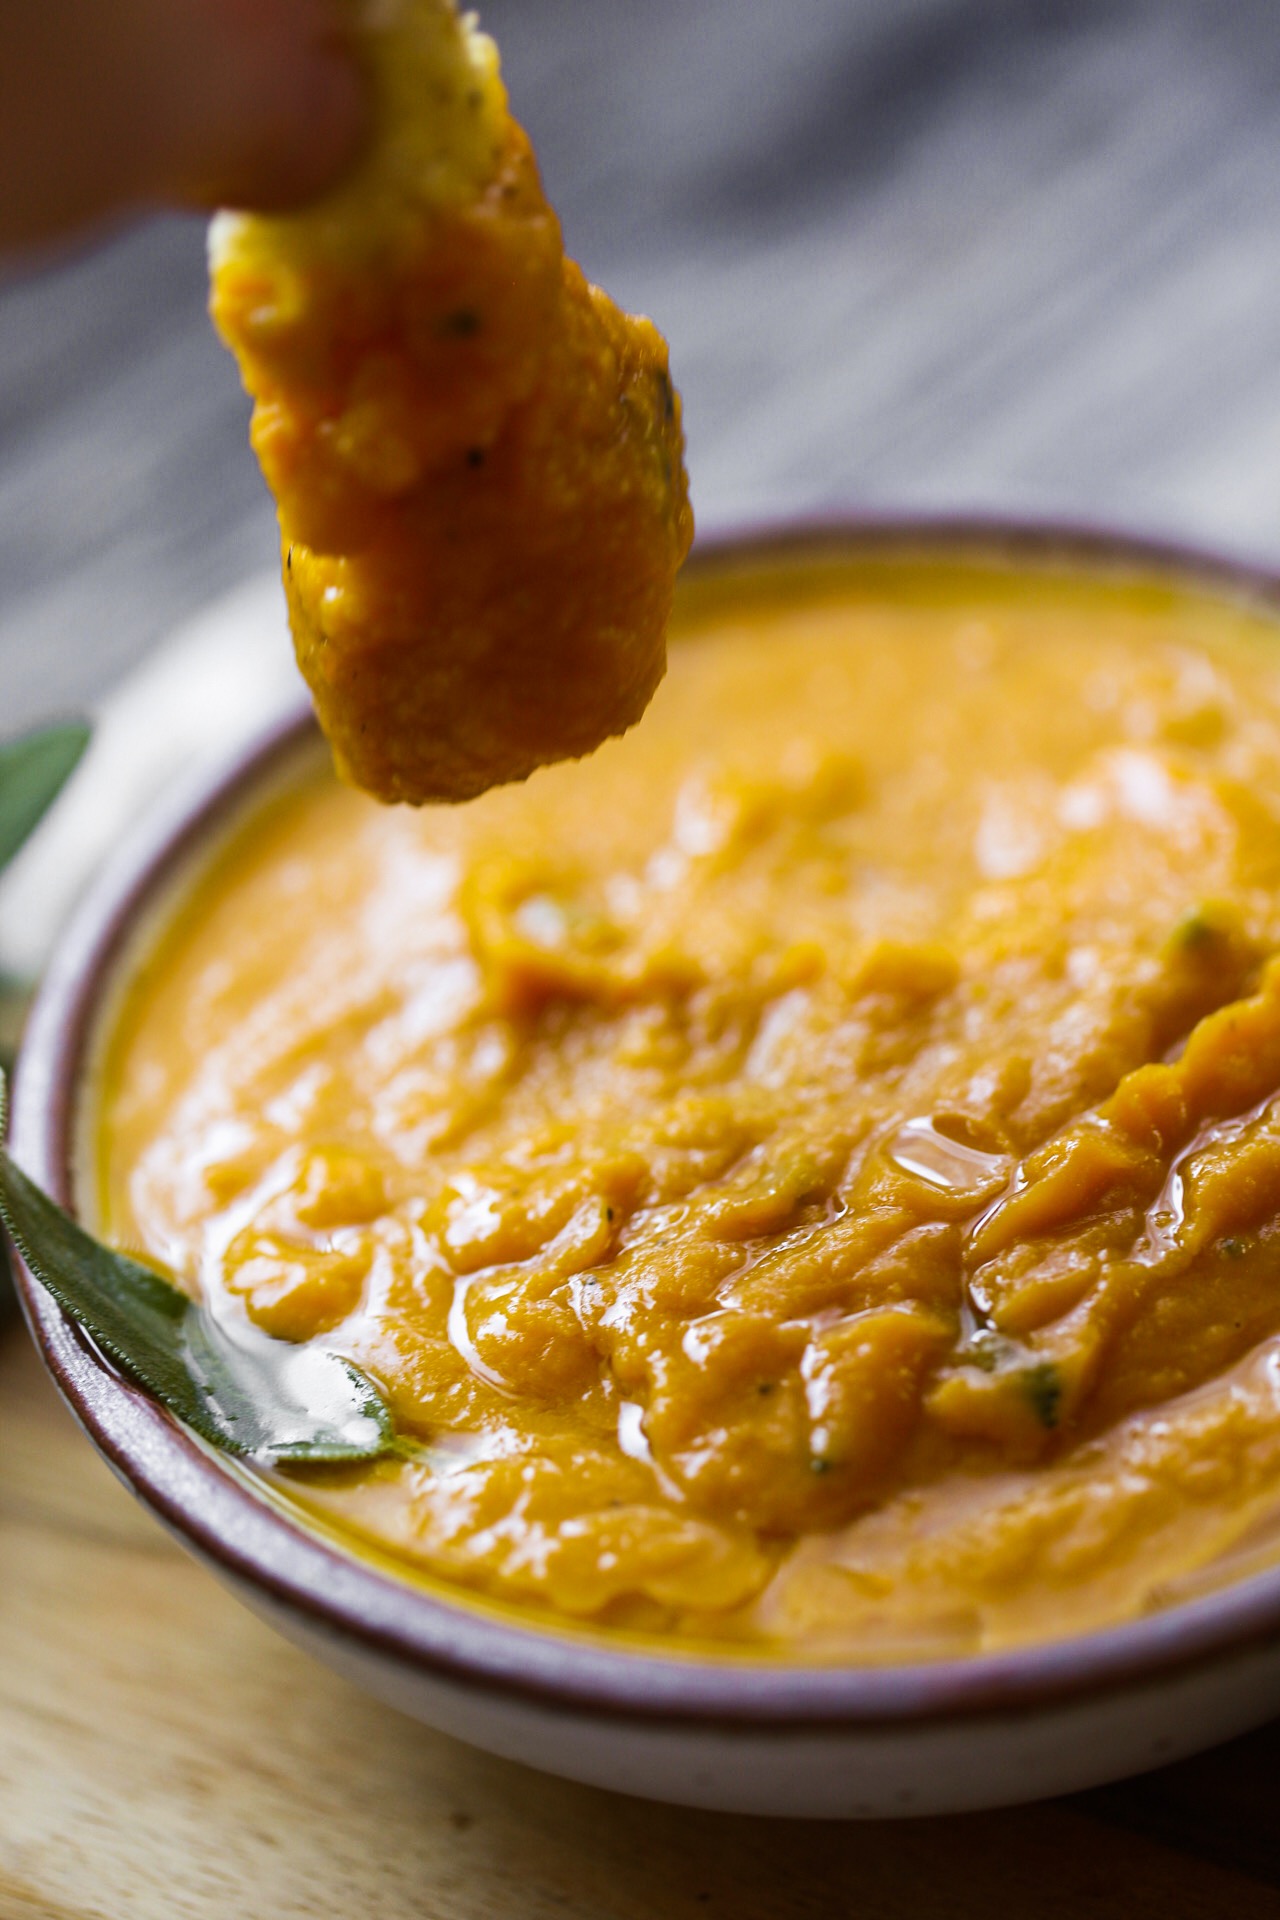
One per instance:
(217,1514)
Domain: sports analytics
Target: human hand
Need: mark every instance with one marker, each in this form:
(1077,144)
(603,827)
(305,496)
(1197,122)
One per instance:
(111,104)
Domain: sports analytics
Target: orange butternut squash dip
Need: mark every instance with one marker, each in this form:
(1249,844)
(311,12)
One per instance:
(807,1178)
(477,458)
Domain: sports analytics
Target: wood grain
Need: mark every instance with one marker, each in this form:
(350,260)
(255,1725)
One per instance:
(1021,254)
(165,1757)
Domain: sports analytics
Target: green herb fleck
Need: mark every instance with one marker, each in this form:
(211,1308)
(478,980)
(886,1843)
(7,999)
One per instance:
(1206,929)
(1195,931)
(990,1351)
(1043,1388)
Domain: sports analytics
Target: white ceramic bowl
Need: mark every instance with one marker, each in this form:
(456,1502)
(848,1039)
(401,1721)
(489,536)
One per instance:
(751,1735)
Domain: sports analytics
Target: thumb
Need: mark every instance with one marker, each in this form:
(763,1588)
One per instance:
(112,103)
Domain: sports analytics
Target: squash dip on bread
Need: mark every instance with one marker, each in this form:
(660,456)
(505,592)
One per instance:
(807,1178)
(478,460)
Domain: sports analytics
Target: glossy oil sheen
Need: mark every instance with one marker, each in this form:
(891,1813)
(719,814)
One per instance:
(804,1174)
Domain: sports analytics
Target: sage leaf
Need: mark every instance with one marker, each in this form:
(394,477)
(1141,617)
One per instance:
(33,770)
(237,1388)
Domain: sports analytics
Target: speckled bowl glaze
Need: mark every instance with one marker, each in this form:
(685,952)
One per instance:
(753,1736)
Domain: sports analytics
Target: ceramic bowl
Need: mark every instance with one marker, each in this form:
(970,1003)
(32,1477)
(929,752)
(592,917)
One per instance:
(755,1736)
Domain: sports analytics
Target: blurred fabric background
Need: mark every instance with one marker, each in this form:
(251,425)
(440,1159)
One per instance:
(1014,254)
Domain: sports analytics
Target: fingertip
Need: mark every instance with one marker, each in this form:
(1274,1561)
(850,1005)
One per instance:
(330,125)
(288,138)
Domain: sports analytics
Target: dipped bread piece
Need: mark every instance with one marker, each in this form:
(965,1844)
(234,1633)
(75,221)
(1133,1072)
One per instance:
(477,458)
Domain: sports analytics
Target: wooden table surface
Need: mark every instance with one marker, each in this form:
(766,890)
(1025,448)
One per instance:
(1017,254)
(1021,254)
(163,1756)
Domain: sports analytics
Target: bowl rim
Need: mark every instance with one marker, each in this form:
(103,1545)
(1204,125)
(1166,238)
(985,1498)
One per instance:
(214,1510)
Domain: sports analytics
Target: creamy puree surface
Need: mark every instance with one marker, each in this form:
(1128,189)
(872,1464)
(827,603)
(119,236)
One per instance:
(807,1178)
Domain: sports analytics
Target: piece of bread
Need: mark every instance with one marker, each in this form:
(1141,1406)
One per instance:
(477,458)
